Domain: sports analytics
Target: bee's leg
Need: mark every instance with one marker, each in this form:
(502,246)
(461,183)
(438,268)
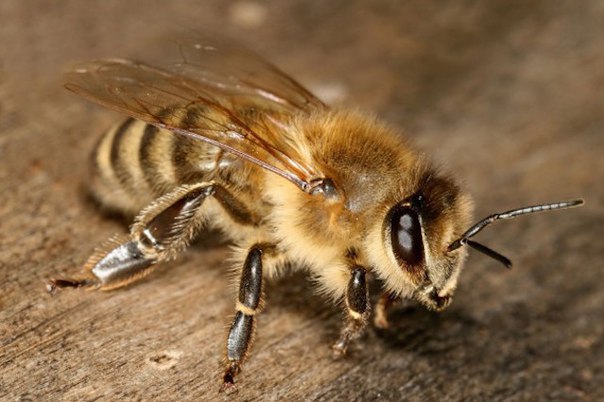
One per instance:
(159,232)
(357,305)
(249,303)
(380,319)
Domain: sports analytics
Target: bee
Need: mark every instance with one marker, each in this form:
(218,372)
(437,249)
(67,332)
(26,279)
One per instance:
(222,138)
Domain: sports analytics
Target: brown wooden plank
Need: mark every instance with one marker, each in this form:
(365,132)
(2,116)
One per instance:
(509,94)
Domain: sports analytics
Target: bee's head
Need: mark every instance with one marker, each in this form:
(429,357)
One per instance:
(423,235)
(417,231)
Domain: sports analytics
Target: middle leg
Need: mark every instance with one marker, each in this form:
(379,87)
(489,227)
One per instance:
(357,307)
(249,303)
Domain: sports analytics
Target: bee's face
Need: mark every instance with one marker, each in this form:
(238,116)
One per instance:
(416,232)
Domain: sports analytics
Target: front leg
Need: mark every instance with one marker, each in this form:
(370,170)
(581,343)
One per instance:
(249,303)
(357,307)
(386,301)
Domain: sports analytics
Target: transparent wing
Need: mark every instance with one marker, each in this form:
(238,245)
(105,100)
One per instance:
(227,66)
(201,98)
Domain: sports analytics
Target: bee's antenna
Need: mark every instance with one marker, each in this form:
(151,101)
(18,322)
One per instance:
(490,252)
(465,238)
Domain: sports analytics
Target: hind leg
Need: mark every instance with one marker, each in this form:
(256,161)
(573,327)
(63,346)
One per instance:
(159,233)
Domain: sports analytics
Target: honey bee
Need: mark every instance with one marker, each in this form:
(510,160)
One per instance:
(224,139)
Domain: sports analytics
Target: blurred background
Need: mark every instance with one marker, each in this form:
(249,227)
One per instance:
(508,95)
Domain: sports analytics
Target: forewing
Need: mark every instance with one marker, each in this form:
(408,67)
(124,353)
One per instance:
(232,68)
(166,96)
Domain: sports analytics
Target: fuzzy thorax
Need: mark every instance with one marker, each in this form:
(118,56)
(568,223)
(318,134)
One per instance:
(374,170)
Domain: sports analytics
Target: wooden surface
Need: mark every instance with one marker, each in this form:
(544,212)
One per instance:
(508,94)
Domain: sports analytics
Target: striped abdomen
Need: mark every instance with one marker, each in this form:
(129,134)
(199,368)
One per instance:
(135,162)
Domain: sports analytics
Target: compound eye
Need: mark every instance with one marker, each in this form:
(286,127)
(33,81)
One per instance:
(406,234)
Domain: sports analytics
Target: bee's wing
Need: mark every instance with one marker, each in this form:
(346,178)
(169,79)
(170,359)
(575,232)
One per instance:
(202,101)
(229,67)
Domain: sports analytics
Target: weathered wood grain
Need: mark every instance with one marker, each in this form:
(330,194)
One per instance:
(508,94)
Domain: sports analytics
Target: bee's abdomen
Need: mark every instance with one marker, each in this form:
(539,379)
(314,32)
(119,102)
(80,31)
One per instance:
(135,162)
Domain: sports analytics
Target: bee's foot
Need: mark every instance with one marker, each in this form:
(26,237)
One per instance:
(53,284)
(228,381)
(339,348)
(380,321)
